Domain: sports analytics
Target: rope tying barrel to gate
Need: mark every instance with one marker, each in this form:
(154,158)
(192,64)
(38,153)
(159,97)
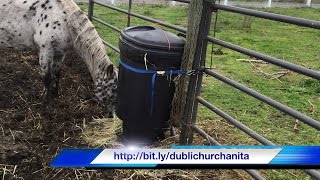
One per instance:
(155,73)
(153,79)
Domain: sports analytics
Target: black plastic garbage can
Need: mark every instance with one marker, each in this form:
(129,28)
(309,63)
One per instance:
(149,60)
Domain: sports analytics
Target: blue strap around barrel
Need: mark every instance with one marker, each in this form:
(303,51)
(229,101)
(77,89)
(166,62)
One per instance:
(153,80)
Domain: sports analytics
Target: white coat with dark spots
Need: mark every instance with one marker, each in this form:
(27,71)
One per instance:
(53,28)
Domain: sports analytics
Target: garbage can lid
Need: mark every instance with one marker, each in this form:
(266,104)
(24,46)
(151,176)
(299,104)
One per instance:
(153,38)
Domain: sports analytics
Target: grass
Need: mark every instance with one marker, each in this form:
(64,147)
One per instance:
(288,42)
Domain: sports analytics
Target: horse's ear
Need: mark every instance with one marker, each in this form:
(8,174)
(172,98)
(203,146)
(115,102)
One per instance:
(110,70)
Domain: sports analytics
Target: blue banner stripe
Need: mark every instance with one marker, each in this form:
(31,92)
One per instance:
(303,155)
(75,157)
(287,148)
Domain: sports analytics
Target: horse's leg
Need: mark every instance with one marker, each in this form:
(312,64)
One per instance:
(57,63)
(46,61)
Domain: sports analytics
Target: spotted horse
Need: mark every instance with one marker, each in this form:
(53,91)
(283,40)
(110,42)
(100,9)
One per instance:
(54,28)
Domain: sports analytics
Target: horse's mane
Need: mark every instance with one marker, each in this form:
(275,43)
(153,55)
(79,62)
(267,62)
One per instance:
(86,40)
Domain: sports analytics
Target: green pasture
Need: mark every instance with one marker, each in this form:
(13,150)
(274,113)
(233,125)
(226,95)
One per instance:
(288,42)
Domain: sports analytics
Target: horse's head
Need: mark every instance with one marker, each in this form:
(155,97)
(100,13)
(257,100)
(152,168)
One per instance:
(106,87)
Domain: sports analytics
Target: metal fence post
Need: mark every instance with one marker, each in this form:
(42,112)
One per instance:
(172,3)
(195,55)
(269,3)
(90,9)
(309,3)
(225,2)
(129,14)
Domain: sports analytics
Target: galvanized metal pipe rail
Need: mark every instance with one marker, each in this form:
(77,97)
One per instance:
(270,16)
(177,28)
(183,1)
(106,24)
(90,9)
(311,122)
(202,133)
(110,46)
(236,123)
(313,173)
(272,60)
(129,13)
(205,135)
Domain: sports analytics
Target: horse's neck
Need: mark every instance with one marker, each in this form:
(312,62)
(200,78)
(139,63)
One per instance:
(86,41)
(97,67)
(94,55)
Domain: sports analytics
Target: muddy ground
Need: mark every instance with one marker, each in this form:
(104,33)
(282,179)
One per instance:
(31,134)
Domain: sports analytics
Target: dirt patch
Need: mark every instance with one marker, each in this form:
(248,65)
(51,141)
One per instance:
(31,134)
